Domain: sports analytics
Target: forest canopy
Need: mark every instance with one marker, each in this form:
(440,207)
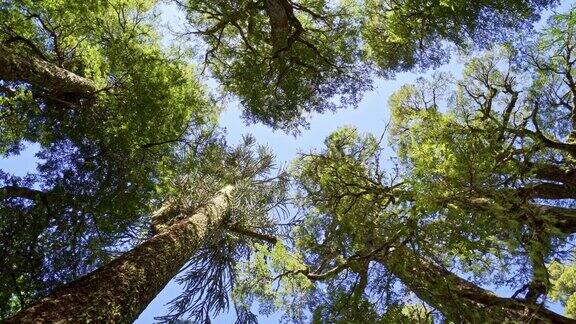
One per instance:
(462,209)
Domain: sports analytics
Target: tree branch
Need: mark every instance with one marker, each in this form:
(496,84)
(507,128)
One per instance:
(16,66)
(457,298)
(246,232)
(548,191)
(23,192)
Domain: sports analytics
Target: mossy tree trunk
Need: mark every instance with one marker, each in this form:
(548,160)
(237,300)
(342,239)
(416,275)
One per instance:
(16,66)
(460,300)
(120,290)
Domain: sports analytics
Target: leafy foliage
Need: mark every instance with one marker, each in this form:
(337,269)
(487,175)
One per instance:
(285,59)
(563,286)
(482,189)
(401,35)
(282,59)
(101,153)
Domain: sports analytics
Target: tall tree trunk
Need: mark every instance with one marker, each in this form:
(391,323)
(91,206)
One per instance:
(120,290)
(14,66)
(458,299)
(279,24)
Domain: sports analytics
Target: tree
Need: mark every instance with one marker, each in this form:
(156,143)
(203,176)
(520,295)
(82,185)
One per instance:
(480,194)
(563,288)
(401,35)
(112,110)
(108,106)
(119,290)
(344,186)
(284,59)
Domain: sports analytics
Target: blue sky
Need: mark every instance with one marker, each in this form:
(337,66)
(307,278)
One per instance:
(371,116)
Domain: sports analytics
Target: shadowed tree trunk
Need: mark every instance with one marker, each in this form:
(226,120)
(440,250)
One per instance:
(15,66)
(120,290)
(285,28)
(22,192)
(458,299)
(279,23)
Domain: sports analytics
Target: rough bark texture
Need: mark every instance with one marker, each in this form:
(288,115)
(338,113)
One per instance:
(160,219)
(554,173)
(14,66)
(22,192)
(460,300)
(285,28)
(279,23)
(119,291)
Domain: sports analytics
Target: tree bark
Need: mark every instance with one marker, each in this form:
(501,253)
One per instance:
(460,300)
(279,24)
(14,66)
(548,190)
(22,192)
(119,291)
(554,173)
